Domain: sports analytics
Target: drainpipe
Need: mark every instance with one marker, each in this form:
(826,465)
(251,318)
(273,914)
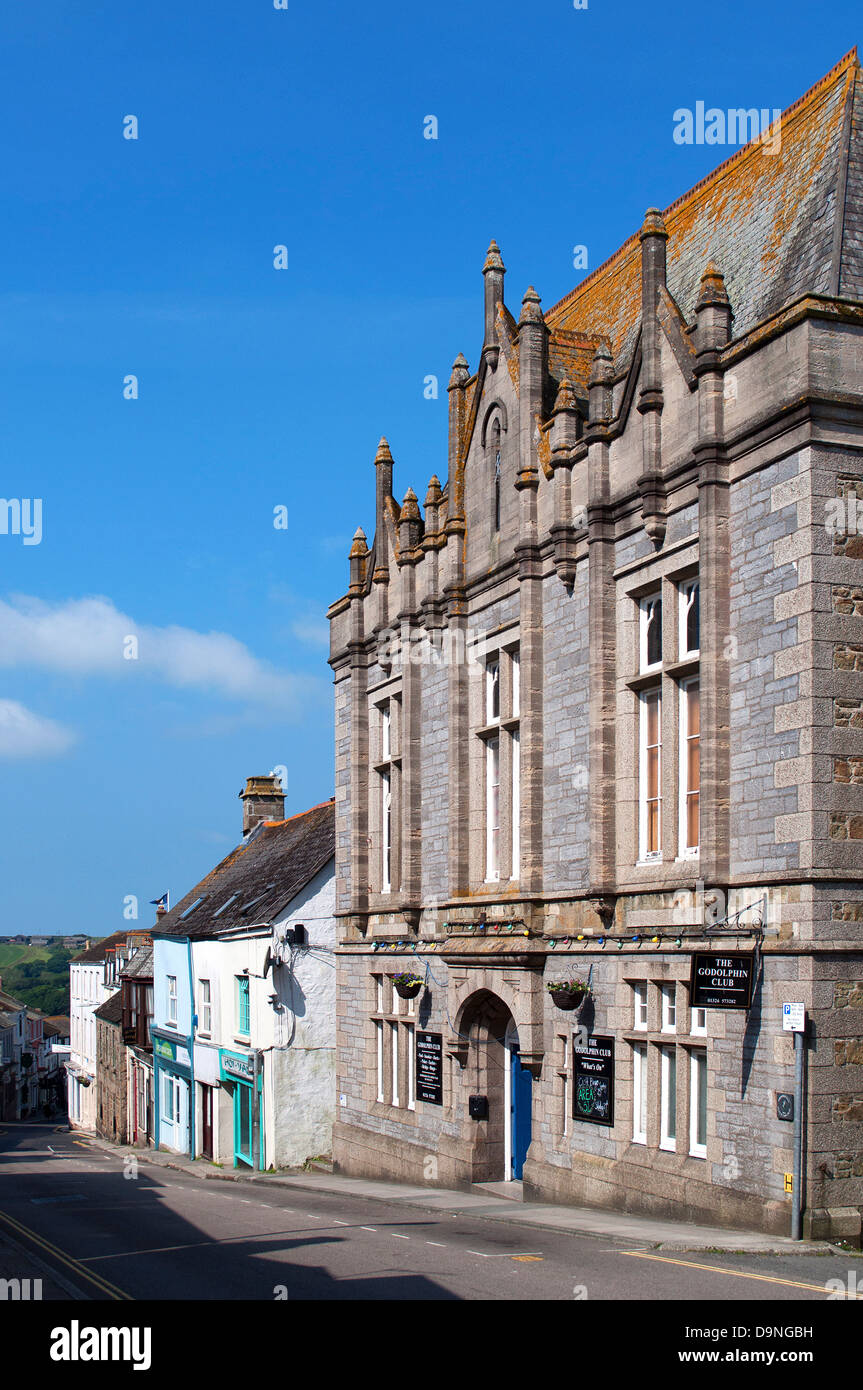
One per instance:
(256,1110)
(193,1100)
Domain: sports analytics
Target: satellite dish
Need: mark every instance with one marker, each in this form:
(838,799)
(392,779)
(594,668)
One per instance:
(268,961)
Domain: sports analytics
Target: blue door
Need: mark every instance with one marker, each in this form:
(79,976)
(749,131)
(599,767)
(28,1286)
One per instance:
(522,1098)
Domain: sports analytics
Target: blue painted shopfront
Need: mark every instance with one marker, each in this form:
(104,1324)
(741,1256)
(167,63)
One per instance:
(237,1069)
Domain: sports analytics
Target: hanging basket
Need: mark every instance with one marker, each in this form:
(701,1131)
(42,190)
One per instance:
(569,999)
(407,988)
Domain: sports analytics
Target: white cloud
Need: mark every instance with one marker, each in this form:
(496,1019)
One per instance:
(89,636)
(24,734)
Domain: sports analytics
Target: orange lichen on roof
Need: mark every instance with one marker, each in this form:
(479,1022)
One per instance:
(766,218)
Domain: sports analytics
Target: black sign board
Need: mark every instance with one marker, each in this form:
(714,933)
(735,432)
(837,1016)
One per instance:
(722,979)
(430,1068)
(593,1081)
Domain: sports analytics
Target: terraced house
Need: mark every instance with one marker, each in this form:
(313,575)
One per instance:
(599,716)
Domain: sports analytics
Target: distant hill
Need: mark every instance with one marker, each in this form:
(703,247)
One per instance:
(38,975)
(11,955)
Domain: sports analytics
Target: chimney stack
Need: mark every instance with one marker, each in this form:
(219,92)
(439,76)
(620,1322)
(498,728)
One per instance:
(263,799)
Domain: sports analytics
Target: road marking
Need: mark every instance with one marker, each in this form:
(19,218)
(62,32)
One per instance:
(395,1235)
(526,1257)
(438,1243)
(369,1228)
(340,1223)
(103,1285)
(505,1255)
(735,1273)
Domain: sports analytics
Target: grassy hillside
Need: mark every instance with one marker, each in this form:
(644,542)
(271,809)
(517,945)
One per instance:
(14,954)
(38,975)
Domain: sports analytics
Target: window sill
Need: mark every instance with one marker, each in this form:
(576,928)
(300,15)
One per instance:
(649,863)
(645,680)
(686,666)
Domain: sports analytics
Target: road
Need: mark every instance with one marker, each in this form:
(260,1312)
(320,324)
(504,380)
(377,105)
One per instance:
(160,1234)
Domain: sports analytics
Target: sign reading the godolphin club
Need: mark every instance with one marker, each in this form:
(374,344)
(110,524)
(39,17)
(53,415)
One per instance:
(722,980)
(430,1068)
(593,1081)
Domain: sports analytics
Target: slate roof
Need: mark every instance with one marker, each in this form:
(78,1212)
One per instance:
(57,1026)
(261,875)
(141,964)
(778,225)
(112,1009)
(95,954)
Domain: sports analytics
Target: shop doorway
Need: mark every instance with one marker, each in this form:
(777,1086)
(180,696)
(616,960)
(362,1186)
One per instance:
(243,1125)
(206,1122)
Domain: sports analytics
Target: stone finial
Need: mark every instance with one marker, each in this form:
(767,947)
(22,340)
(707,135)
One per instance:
(383,454)
(433,496)
(530,310)
(359,548)
(602,366)
(410,507)
(460,372)
(653,225)
(565,397)
(712,289)
(493,259)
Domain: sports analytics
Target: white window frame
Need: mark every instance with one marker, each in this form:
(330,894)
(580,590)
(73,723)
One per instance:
(639,1093)
(696,1149)
(686,851)
(684,603)
(646,856)
(516,803)
(386,732)
(645,606)
(394,1058)
(516,684)
(386,833)
(205,1022)
(379,1031)
(639,1006)
(492,810)
(668,997)
(668,1098)
(411,1061)
(698,1023)
(171,1013)
(492,690)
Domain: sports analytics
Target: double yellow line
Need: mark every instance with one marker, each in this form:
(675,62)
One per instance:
(104,1286)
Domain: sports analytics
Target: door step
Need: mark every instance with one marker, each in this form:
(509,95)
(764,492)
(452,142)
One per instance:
(514,1191)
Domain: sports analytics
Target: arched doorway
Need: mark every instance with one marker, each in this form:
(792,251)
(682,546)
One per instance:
(493,1072)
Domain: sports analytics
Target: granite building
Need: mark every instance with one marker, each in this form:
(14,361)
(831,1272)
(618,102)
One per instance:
(599,716)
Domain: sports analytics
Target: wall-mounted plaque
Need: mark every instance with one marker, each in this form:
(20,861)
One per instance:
(722,979)
(430,1068)
(593,1081)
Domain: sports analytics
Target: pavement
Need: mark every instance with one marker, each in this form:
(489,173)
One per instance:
(485,1204)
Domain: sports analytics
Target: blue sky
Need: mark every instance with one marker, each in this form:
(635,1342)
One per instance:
(261,388)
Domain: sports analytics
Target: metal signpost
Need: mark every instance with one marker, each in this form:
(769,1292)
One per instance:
(794,1021)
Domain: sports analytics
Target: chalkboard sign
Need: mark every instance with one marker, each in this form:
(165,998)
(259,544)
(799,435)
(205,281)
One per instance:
(593,1081)
(722,979)
(430,1068)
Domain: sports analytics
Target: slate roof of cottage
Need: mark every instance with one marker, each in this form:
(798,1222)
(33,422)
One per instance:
(258,878)
(58,1025)
(778,225)
(141,964)
(95,954)
(112,1009)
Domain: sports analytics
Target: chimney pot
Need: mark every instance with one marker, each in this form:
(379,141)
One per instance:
(263,799)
